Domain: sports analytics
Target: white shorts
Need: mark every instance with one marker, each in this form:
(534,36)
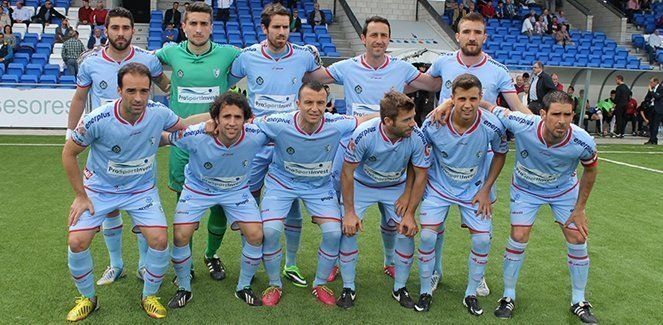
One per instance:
(435,208)
(365,196)
(277,200)
(239,206)
(525,206)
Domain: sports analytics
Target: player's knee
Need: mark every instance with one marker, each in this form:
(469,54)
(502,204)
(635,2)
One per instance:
(271,233)
(159,241)
(520,234)
(574,237)
(77,244)
(180,237)
(428,237)
(481,241)
(253,236)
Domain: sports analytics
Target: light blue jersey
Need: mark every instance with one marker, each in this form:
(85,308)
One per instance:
(459,167)
(541,169)
(122,156)
(99,71)
(383,163)
(301,160)
(214,168)
(364,86)
(494,77)
(273,82)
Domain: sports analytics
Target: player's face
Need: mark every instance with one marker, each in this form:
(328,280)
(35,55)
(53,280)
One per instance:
(466,103)
(376,39)
(312,105)
(403,125)
(471,36)
(119,33)
(278,31)
(230,121)
(135,92)
(558,119)
(198,27)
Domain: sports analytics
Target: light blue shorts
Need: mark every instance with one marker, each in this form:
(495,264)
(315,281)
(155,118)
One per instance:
(239,206)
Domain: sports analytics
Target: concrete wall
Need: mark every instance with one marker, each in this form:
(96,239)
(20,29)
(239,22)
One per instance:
(390,9)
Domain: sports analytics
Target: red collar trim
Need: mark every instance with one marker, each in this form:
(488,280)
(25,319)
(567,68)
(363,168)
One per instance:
(475,125)
(482,62)
(290,50)
(362,59)
(109,59)
(322,122)
(236,143)
(539,134)
(385,137)
(116,110)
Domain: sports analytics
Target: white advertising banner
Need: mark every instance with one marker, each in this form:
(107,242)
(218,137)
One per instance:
(34,108)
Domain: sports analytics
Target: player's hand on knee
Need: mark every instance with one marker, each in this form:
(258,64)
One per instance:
(80,205)
(580,220)
(401,204)
(441,111)
(483,200)
(408,227)
(351,224)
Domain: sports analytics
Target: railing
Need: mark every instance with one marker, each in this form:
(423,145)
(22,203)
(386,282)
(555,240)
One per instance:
(351,16)
(436,16)
(612,8)
(581,7)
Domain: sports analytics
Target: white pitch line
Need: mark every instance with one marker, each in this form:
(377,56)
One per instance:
(630,165)
(31,144)
(638,152)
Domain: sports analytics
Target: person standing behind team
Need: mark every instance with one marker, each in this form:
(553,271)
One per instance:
(274,70)
(97,71)
(200,73)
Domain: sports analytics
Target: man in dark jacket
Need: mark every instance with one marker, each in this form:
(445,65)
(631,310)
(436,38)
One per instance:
(46,14)
(655,94)
(173,16)
(622,96)
(541,85)
(317,17)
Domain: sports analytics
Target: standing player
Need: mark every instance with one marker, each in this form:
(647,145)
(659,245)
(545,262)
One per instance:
(200,73)
(548,149)
(460,176)
(305,142)
(218,174)
(495,80)
(120,174)
(274,70)
(98,72)
(374,171)
(365,79)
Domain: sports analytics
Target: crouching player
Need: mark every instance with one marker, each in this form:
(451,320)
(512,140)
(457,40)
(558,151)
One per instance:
(217,174)
(123,137)
(460,175)
(548,150)
(374,172)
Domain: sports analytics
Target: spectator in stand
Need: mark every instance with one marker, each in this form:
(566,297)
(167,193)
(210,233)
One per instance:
(592,114)
(10,38)
(520,84)
(510,10)
(632,115)
(317,17)
(655,95)
(98,16)
(562,37)
(471,8)
(21,14)
(97,39)
(654,43)
(540,28)
(63,32)
(622,97)
(576,108)
(84,13)
(6,8)
(558,85)
(223,13)
(526,78)
(528,26)
(330,101)
(169,35)
(541,85)
(295,22)
(631,7)
(487,10)
(5,19)
(500,11)
(6,51)
(72,49)
(173,16)
(46,14)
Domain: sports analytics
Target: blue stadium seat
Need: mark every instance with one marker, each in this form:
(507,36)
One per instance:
(22,58)
(39,58)
(29,79)
(154,45)
(633,66)
(47,38)
(295,37)
(15,68)
(68,80)
(582,62)
(638,41)
(52,69)
(34,69)
(9,78)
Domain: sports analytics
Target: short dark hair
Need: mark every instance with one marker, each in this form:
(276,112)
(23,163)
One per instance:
(271,10)
(394,102)
(313,85)
(475,17)
(198,6)
(175,3)
(525,75)
(556,97)
(465,81)
(133,68)
(539,63)
(620,77)
(119,12)
(375,19)
(230,98)
(654,79)
(571,87)
(612,92)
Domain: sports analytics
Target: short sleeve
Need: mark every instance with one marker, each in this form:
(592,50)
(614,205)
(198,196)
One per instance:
(311,63)
(420,150)
(435,70)
(86,132)
(589,156)
(410,72)
(336,71)
(237,70)
(268,125)
(179,139)
(83,79)
(505,83)
(354,152)
(498,141)
(155,67)
(516,122)
(169,118)
(163,56)
(345,124)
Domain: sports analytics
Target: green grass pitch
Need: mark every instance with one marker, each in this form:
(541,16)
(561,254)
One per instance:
(625,282)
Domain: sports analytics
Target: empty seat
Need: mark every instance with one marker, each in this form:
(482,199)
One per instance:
(36,29)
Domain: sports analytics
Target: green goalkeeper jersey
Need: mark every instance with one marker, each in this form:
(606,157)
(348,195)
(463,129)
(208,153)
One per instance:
(197,79)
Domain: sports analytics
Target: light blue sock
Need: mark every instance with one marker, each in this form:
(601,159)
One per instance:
(271,251)
(293,233)
(80,267)
(348,256)
(513,260)
(404,250)
(439,246)
(142,250)
(251,257)
(156,263)
(181,258)
(477,262)
(112,230)
(388,237)
(578,260)
(328,251)
(427,259)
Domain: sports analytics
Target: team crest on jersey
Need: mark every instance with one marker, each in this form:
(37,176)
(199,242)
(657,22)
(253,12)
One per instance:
(260,80)
(103,84)
(180,73)
(217,73)
(328,148)
(245,163)
(152,140)
(524,153)
(372,158)
(290,150)
(294,81)
(479,154)
(358,89)
(427,150)
(447,84)
(445,154)
(207,165)
(116,149)
(352,145)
